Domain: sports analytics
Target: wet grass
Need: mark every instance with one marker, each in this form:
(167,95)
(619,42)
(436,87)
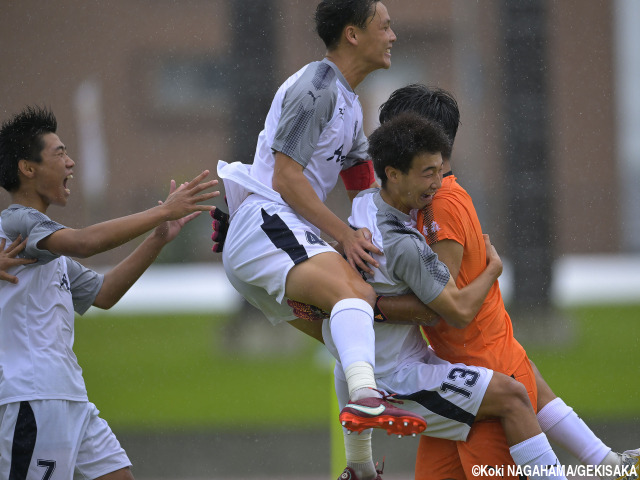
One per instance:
(176,371)
(598,374)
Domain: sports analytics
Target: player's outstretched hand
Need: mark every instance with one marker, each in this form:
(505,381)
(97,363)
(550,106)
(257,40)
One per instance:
(188,197)
(219,225)
(169,230)
(8,258)
(493,259)
(357,248)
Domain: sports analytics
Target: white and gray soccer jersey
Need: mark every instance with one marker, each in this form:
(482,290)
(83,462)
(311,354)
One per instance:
(37,316)
(446,395)
(316,119)
(407,265)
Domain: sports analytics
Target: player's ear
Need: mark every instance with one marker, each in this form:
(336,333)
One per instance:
(350,34)
(392,173)
(25,167)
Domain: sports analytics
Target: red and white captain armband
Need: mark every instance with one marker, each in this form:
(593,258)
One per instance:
(359,177)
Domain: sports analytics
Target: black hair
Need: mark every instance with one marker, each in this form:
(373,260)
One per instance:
(21,139)
(396,142)
(431,102)
(332,16)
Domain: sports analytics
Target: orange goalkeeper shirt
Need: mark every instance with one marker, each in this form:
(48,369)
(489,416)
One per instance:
(488,340)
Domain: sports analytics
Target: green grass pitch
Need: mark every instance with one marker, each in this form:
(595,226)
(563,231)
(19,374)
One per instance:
(152,372)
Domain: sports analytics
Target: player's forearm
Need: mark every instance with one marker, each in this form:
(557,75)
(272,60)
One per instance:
(122,277)
(299,195)
(407,310)
(471,297)
(103,236)
(323,218)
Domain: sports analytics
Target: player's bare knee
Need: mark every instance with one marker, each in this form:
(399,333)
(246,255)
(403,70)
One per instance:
(515,398)
(365,291)
(368,294)
(504,398)
(358,289)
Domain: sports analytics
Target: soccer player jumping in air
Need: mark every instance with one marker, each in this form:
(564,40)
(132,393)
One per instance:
(273,250)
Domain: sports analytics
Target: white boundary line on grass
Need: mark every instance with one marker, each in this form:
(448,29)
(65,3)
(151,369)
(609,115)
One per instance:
(578,280)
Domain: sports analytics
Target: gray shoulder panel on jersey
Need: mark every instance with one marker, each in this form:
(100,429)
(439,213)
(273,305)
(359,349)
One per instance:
(410,261)
(84,285)
(307,107)
(33,225)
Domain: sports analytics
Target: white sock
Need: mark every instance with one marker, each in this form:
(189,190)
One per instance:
(536,452)
(359,456)
(351,325)
(563,427)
